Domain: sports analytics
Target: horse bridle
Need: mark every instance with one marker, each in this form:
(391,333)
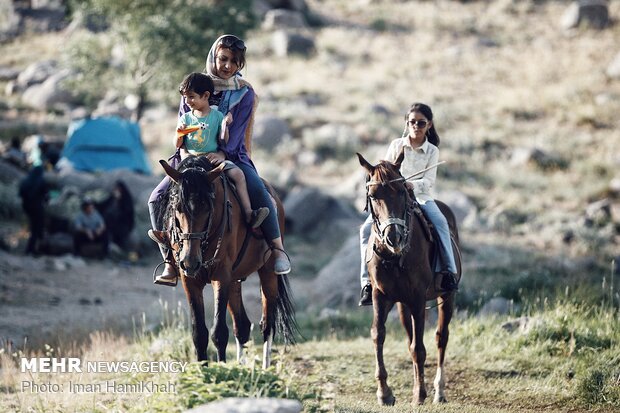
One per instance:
(382,226)
(178,237)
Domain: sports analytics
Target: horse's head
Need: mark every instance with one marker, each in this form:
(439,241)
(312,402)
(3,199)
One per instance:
(387,200)
(191,208)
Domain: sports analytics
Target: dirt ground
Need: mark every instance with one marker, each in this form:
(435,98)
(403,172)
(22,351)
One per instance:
(61,300)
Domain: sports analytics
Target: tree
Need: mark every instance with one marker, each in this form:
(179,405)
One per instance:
(160,40)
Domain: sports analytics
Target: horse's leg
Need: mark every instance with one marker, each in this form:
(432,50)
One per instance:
(269,293)
(405,318)
(418,351)
(445,311)
(200,333)
(220,329)
(241,322)
(381,309)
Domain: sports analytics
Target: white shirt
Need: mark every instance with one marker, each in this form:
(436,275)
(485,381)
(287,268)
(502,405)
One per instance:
(415,160)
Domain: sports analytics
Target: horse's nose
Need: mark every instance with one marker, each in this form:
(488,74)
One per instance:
(190,265)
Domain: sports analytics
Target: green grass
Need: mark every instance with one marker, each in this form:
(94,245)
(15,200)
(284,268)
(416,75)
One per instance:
(567,358)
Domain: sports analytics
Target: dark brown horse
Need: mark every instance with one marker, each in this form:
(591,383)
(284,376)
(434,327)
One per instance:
(401,272)
(211,242)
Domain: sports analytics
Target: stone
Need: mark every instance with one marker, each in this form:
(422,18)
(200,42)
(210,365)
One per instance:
(249,405)
(285,44)
(283,19)
(591,13)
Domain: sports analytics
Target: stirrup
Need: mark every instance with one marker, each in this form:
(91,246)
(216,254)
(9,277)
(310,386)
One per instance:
(159,282)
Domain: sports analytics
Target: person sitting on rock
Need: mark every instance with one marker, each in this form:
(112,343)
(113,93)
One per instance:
(89,229)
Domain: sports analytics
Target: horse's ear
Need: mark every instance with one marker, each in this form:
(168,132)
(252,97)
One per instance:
(400,158)
(170,171)
(215,172)
(370,168)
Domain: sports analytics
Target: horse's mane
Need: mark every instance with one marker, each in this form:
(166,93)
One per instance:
(385,172)
(193,193)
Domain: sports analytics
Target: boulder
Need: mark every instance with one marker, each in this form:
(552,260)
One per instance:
(50,93)
(285,44)
(463,208)
(308,209)
(283,19)
(9,20)
(331,137)
(269,132)
(36,73)
(249,405)
(8,73)
(591,13)
(337,284)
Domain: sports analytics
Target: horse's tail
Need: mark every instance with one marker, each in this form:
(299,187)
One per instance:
(286,323)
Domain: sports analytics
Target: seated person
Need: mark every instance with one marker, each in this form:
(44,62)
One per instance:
(118,214)
(89,228)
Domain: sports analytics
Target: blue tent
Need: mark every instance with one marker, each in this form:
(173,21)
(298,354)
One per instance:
(104,144)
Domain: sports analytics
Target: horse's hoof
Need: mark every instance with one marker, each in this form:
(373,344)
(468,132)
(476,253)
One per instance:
(387,401)
(440,399)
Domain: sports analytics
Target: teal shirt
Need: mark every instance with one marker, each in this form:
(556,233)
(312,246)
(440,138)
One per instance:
(205,139)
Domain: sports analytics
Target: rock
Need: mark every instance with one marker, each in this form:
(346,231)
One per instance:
(36,73)
(496,306)
(598,214)
(331,137)
(10,173)
(285,44)
(613,70)
(306,208)
(49,94)
(337,284)
(538,157)
(296,5)
(269,132)
(44,19)
(249,405)
(463,208)
(8,73)
(592,13)
(9,20)
(283,19)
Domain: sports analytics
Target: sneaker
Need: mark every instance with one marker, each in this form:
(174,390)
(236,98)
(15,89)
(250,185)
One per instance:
(258,216)
(282,265)
(366,295)
(169,276)
(448,282)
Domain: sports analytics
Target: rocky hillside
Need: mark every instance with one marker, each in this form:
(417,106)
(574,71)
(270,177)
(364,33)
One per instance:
(525,94)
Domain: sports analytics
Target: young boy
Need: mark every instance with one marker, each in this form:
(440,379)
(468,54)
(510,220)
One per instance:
(199,131)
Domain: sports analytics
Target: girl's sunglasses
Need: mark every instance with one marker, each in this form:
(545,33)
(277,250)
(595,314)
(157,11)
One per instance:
(420,122)
(233,42)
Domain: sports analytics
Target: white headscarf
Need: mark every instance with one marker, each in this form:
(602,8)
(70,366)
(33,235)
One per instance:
(232,83)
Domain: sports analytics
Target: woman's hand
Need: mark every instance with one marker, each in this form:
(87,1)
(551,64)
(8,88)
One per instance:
(216,158)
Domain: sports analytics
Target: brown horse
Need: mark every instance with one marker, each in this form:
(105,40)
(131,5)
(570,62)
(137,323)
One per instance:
(401,272)
(212,244)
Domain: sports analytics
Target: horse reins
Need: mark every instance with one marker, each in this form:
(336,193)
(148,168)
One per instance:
(203,236)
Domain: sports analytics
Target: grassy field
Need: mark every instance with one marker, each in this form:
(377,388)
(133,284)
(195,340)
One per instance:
(562,358)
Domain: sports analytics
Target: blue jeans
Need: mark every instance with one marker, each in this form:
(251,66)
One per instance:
(259,197)
(364,237)
(433,214)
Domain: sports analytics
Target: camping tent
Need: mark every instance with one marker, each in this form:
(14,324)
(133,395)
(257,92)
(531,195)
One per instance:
(104,144)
